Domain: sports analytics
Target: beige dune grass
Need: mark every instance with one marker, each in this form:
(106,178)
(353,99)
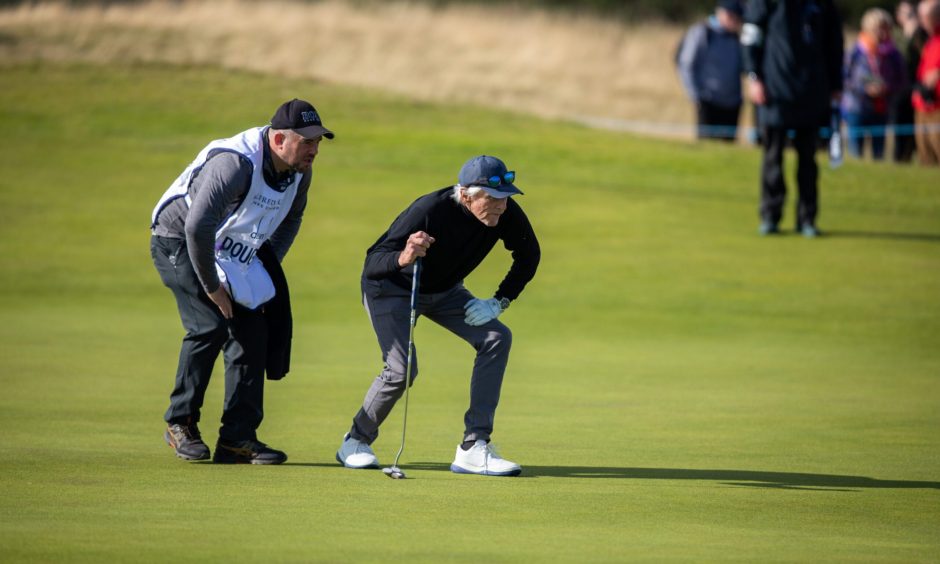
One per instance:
(543,63)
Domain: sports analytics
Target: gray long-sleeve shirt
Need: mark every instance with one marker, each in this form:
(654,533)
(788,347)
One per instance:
(216,191)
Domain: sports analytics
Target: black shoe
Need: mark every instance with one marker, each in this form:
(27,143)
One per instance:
(186,440)
(246,452)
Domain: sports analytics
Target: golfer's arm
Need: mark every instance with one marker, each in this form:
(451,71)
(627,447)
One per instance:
(215,192)
(526,255)
(382,258)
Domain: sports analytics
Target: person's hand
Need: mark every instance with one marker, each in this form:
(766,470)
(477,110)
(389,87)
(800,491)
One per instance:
(931,78)
(756,92)
(875,89)
(480,312)
(415,248)
(224,302)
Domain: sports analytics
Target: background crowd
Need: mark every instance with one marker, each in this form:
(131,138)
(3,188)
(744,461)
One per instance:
(890,75)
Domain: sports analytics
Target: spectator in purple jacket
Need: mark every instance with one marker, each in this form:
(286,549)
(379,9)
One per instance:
(873,75)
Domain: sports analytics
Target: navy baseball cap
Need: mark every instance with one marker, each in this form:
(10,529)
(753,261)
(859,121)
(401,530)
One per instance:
(301,117)
(490,174)
(736,7)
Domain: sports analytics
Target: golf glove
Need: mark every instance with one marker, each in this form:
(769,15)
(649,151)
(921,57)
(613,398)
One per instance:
(480,312)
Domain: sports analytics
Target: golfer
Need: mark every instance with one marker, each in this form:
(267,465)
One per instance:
(451,230)
(219,234)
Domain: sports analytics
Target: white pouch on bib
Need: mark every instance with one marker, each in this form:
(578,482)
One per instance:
(251,287)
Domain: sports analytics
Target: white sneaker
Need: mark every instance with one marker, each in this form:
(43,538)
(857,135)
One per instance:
(356,454)
(482,459)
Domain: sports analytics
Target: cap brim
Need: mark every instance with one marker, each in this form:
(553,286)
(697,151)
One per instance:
(314,131)
(505,191)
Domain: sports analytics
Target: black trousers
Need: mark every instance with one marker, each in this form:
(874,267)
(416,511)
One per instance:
(242,341)
(773,186)
(904,143)
(716,122)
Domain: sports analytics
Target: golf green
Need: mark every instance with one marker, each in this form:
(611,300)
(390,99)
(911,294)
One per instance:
(679,387)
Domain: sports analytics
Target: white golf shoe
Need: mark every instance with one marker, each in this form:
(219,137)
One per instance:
(356,454)
(482,459)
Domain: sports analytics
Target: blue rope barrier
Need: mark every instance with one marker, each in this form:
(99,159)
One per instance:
(731,131)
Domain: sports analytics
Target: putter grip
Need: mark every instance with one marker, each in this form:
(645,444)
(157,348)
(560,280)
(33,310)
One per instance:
(415,283)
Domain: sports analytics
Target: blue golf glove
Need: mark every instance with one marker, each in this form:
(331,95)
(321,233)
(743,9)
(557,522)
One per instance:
(480,312)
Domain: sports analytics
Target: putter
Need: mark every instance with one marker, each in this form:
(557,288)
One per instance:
(394,471)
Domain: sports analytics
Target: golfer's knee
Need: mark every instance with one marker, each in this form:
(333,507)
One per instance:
(497,341)
(394,376)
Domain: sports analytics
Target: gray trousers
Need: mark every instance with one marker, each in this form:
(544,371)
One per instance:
(389,309)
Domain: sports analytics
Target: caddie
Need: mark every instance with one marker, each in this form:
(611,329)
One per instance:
(219,234)
(453,229)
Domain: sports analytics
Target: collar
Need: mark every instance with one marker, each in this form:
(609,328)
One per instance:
(276,180)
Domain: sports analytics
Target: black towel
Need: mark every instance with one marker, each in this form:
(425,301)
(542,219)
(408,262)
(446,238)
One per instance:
(278,315)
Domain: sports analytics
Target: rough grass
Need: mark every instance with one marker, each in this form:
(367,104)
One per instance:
(680,389)
(539,62)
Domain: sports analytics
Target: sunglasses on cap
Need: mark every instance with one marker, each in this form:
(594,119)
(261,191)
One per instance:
(496,181)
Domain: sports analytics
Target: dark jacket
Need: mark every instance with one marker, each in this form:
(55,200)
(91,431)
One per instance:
(461,243)
(709,64)
(797,53)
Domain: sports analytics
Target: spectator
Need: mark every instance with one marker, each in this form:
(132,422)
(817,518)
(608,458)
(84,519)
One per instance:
(793,58)
(709,64)
(873,75)
(911,43)
(927,90)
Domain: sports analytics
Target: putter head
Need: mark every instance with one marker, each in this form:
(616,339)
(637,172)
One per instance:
(394,472)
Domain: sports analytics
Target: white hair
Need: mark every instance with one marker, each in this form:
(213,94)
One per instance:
(468,190)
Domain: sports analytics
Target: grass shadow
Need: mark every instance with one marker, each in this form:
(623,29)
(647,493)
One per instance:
(743,478)
(748,478)
(924,237)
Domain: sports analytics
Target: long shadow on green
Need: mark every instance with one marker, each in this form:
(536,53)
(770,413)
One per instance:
(885,235)
(730,477)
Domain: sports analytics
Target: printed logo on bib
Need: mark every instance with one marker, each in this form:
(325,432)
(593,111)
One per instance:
(233,250)
(266,203)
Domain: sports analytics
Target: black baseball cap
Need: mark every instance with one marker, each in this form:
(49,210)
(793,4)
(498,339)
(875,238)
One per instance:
(301,117)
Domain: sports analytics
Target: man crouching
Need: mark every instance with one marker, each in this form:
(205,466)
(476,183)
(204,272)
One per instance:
(452,230)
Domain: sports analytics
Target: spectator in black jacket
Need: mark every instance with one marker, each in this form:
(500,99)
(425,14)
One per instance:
(793,59)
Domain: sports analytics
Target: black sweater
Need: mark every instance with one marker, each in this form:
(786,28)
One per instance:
(461,243)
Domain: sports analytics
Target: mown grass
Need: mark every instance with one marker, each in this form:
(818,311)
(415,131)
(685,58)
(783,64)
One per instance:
(680,389)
